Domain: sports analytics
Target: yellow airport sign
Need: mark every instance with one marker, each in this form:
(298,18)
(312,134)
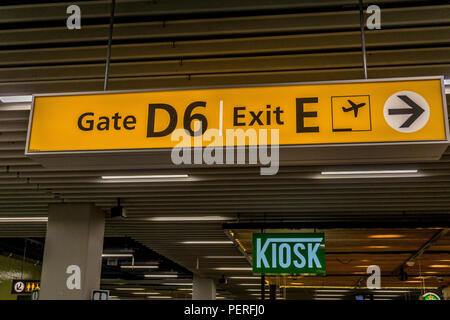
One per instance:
(346,112)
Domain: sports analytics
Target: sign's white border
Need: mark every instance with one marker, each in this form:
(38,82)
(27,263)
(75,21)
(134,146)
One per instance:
(441,78)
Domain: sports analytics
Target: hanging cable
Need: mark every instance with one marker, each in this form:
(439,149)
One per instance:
(108,53)
(363,39)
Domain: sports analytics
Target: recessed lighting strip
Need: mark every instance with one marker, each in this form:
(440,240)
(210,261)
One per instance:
(23,219)
(369,172)
(162,176)
(181,218)
(206,242)
(138,267)
(16,99)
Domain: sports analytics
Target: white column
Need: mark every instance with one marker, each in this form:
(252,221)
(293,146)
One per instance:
(203,289)
(446,293)
(72,262)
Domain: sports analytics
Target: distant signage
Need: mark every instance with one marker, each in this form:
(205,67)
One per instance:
(431,296)
(24,286)
(289,253)
(342,112)
(100,294)
(35,294)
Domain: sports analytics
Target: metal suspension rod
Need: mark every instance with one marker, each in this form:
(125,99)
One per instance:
(263,281)
(363,39)
(108,53)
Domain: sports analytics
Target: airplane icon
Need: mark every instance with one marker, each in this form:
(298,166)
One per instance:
(355,107)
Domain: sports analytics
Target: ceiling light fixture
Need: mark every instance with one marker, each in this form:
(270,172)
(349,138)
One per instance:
(161,276)
(331,290)
(162,176)
(16,99)
(386,236)
(206,242)
(177,284)
(129,289)
(146,293)
(377,247)
(184,219)
(117,255)
(139,267)
(23,219)
(389,291)
(369,172)
(440,266)
(225,257)
(234,268)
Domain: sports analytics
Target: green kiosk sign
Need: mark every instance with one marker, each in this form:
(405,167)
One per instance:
(289,253)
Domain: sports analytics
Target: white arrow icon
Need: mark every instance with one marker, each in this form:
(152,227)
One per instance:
(406,111)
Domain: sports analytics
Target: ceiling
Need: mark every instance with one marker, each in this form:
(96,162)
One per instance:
(168,44)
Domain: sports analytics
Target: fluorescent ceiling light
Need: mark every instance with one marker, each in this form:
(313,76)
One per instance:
(203,218)
(266,290)
(129,289)
(146,293)
(184,289)
(234,268)
(331,290)
(369,172)
(23,219)
(139,267)
(386,236)
(177,284)
(390,291)
(117,255)
(440,266)
(162,176)
(161,276)
(447,81)
(159,297)
(225,257)
(16,99)
(207,242)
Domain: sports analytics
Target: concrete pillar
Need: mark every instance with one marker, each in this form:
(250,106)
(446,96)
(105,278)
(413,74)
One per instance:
(74,239)
(203,289)
(446,293)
